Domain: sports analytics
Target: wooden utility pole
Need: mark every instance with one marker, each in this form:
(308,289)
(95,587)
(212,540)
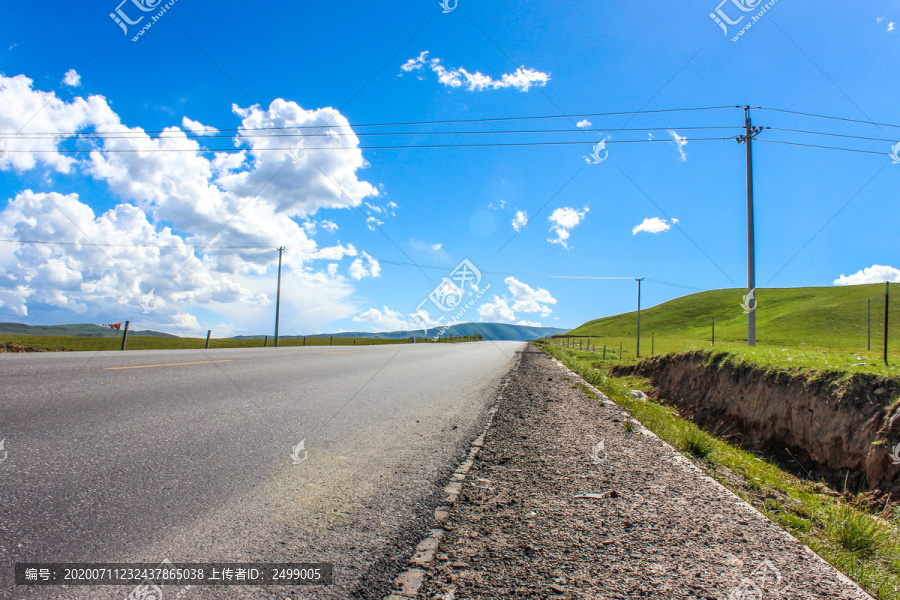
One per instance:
(278,296)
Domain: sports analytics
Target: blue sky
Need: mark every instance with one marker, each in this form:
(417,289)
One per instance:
(348,215)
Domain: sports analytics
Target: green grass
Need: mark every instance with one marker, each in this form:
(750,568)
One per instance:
(820,328)
(864,545)
(49,342)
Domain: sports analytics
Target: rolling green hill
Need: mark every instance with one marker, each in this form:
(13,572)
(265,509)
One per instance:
(828,317)
(488,331)
(75,330)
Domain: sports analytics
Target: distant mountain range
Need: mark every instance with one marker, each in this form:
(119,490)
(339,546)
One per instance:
(488,331)
(75,329)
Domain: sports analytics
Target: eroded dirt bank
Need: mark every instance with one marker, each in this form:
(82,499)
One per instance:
(841,428)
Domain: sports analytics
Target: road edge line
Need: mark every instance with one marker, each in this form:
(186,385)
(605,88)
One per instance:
(408,583)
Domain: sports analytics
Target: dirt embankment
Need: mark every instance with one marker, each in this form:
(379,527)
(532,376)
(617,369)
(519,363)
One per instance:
(842,429)
(14,347)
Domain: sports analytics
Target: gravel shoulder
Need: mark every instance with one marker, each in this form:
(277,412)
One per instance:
(653,526)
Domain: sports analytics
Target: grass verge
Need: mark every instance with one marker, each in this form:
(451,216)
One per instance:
(862,543)
(148,342)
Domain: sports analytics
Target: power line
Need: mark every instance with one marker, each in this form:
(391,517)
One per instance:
(805,114)
(192,136)
(840,135)
(407,147)
(818,146)
(442,122)
(318,256)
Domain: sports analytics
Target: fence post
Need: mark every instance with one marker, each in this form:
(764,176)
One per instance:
(331,341)
(304,340)
(604,351)
(354,341)
(128,323)
(266,343)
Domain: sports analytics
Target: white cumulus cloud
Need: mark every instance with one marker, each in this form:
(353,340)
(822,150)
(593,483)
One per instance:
(563,221)
(365,266)
(523,79)
(653,225)
(72,78)
(583,124)
(522,298)
(520,220)
(197,127)
(873,274)
(383,320)
(176,205)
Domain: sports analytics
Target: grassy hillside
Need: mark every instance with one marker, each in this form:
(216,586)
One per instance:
(826,317)
(75,329)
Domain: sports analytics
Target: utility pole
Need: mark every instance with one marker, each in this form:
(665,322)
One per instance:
(638,353)
(750,132)
(887,294)
(278,296)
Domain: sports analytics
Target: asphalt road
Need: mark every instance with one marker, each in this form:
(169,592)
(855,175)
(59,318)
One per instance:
(142,456)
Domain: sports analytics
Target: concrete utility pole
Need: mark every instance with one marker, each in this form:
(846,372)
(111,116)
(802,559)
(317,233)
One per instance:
(750,132)
(278,296)
(638,353)
(887,294)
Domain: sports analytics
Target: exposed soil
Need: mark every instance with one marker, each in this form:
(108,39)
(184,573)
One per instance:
(656,527)
(13,347)
(839,429)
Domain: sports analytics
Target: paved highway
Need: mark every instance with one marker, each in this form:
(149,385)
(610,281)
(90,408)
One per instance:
(186,455)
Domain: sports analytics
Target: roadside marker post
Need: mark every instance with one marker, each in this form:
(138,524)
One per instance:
(208,333)
(868,324)
(128,323)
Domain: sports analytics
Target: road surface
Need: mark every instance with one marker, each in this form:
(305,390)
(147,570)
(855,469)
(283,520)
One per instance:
(186,455)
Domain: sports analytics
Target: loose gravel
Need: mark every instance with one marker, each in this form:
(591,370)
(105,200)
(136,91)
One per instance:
(648,523)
